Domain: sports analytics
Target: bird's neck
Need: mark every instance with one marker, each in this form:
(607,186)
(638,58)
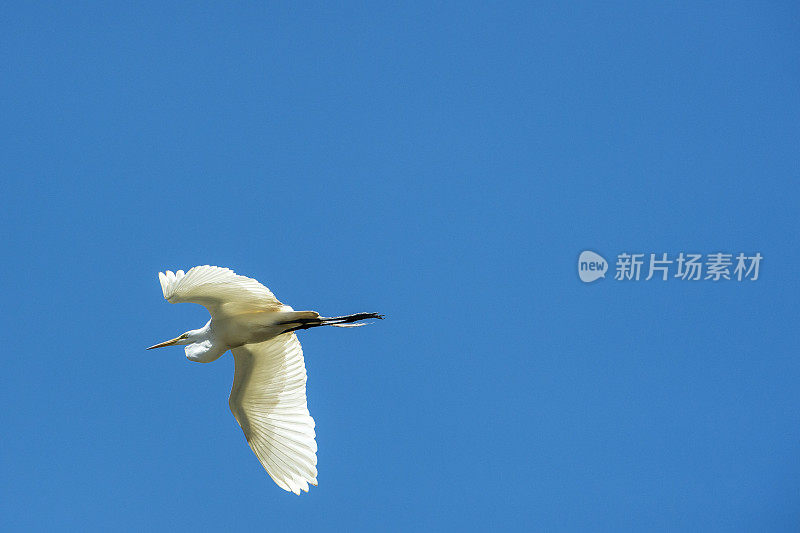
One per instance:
(205,348)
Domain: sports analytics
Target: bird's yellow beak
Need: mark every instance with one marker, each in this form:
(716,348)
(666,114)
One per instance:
(166,343)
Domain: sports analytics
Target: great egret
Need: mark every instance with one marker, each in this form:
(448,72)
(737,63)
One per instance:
(268,396)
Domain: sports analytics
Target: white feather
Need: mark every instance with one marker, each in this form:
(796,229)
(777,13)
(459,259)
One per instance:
(220,290)
(268,399)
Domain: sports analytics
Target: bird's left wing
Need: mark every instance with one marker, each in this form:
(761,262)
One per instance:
(220,290)
(268,399)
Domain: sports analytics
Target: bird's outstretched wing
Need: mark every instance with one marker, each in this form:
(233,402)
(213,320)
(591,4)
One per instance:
(268,399)
(220,290)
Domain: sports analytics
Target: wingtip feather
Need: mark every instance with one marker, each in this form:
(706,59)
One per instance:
(162,278)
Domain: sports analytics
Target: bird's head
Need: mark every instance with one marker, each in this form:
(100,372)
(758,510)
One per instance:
(200,344)
(189,337)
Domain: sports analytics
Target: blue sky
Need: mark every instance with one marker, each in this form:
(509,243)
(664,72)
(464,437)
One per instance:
(443,164)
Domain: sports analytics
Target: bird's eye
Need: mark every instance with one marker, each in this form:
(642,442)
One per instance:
(183,336)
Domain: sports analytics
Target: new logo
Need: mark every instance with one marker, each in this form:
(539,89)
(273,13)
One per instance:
(591,266)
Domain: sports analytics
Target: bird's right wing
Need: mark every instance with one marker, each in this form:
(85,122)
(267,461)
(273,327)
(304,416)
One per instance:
(220,290)
(268,399)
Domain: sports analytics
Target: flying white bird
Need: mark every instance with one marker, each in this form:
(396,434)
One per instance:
(268,396)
